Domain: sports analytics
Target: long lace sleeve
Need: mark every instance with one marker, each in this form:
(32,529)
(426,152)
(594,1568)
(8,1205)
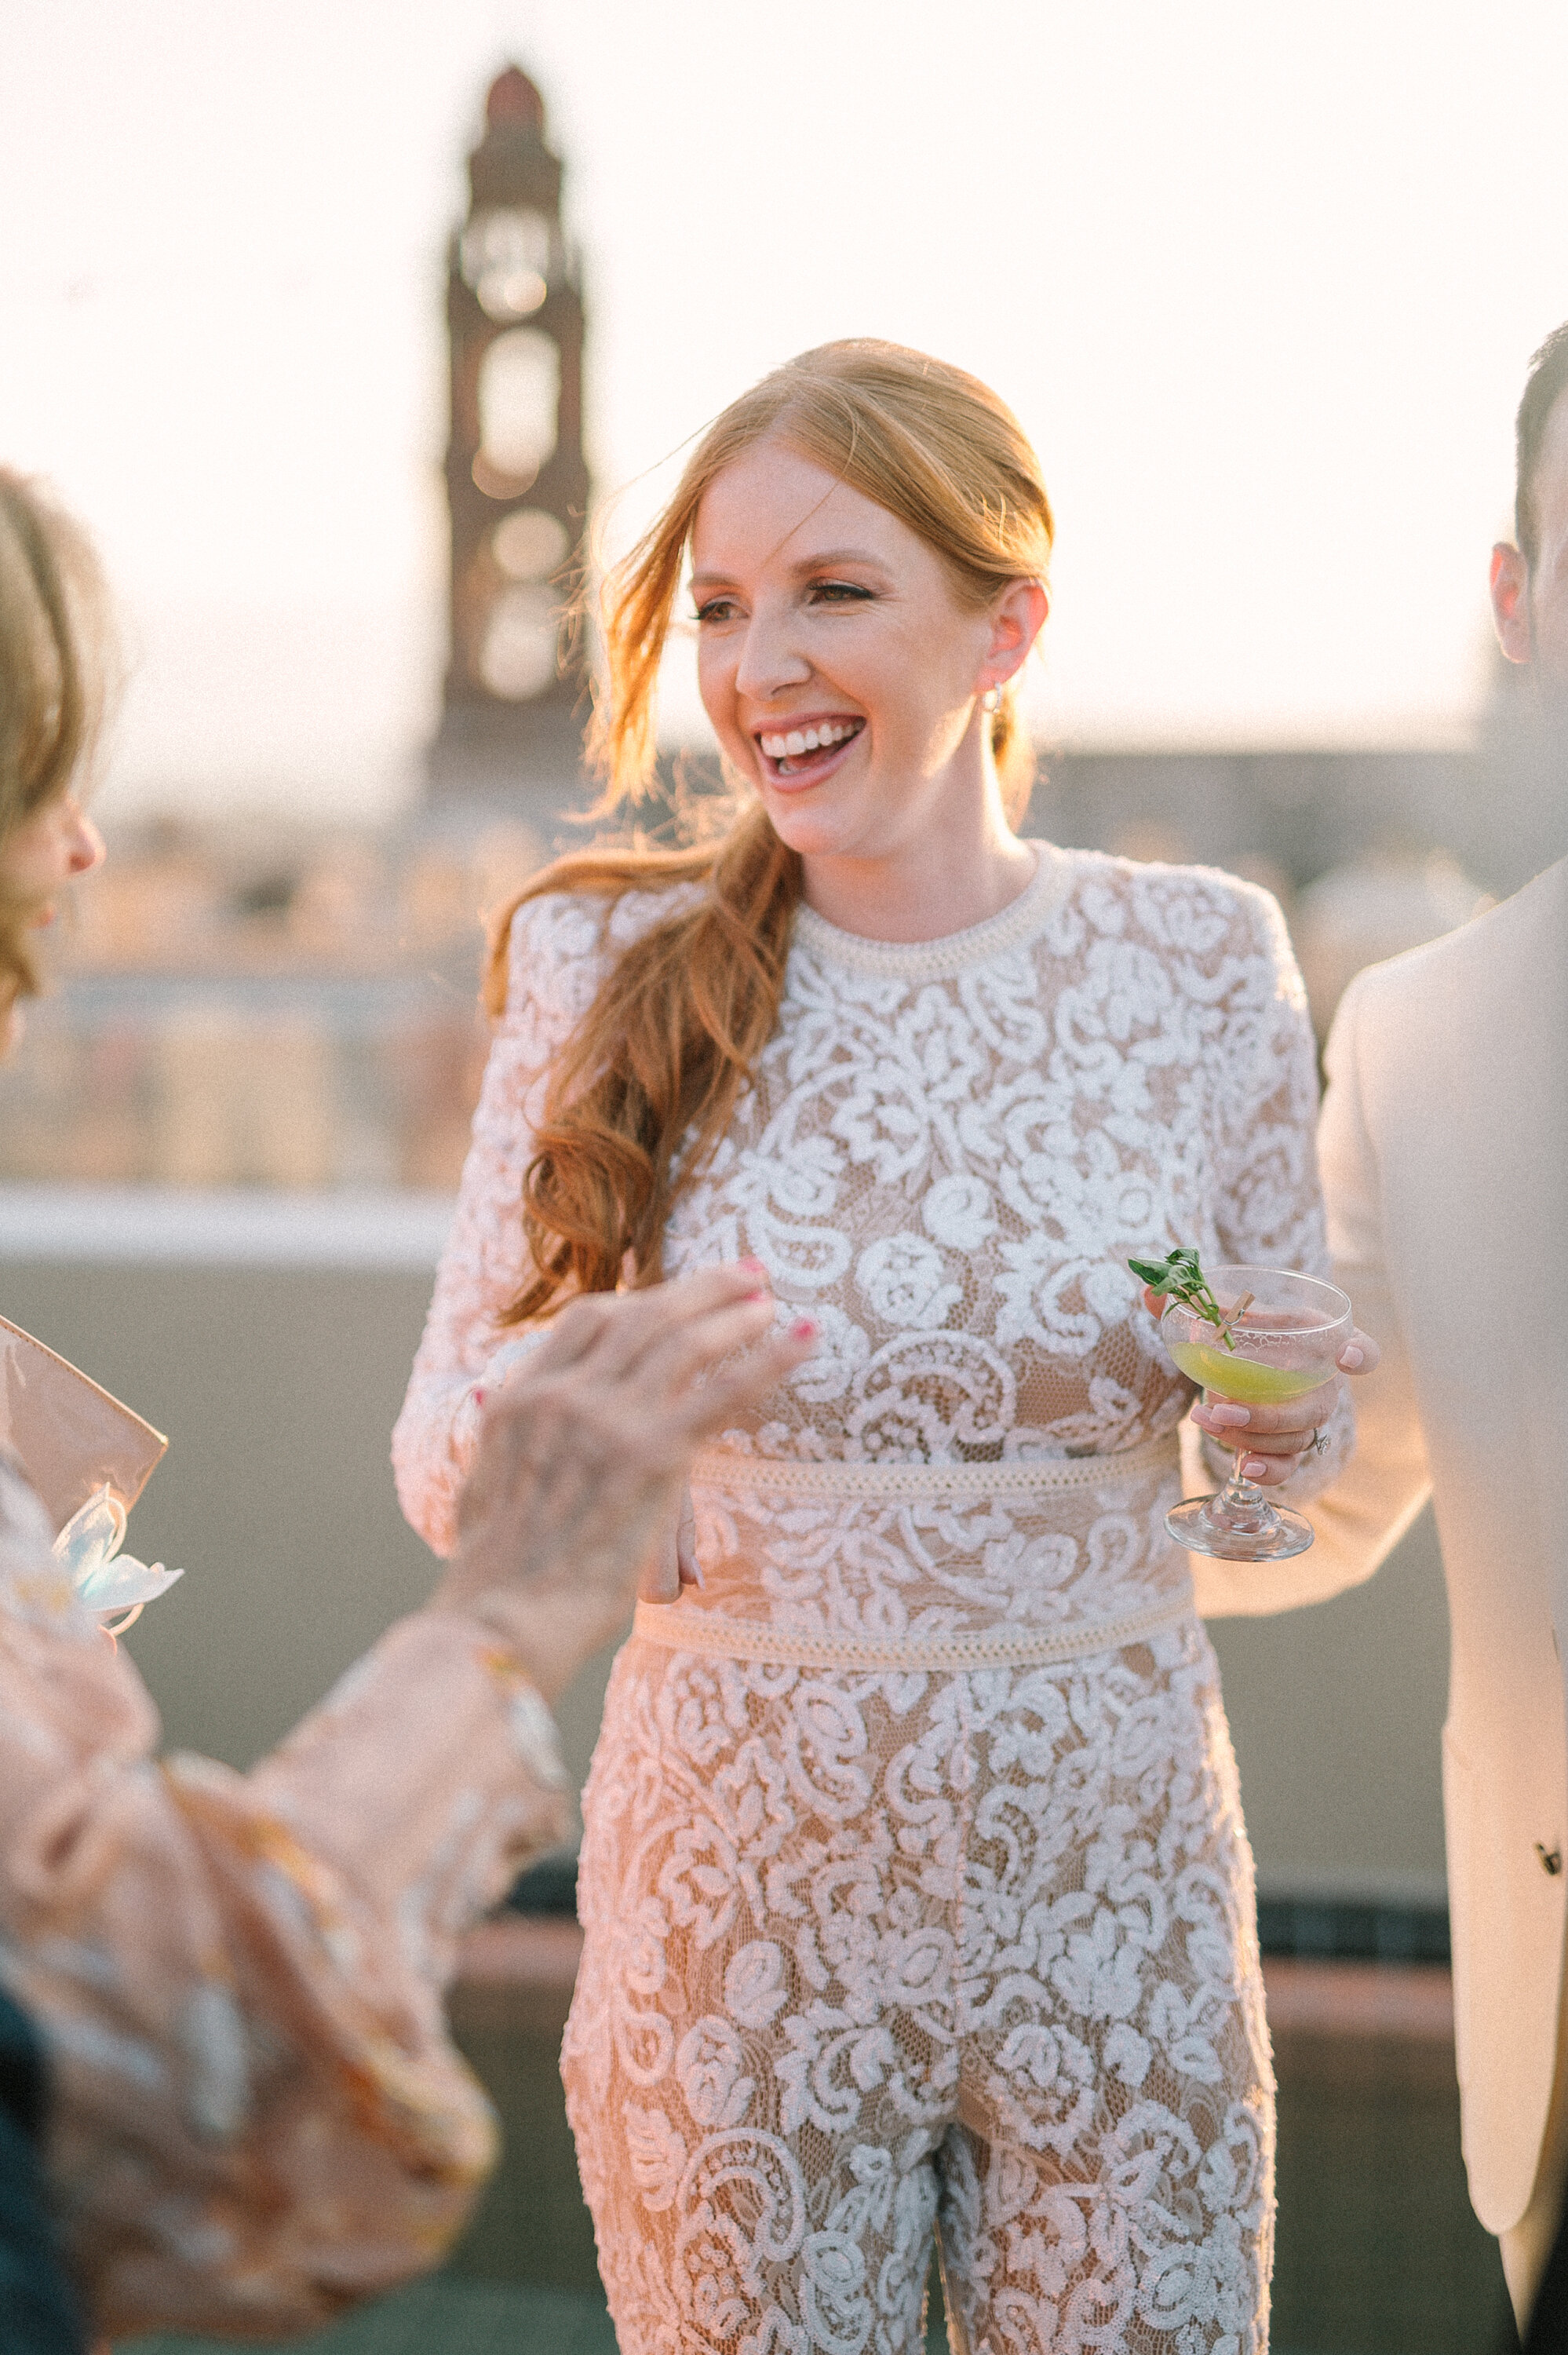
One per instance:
(555,963)
(1269,1207)
(256,2115)
(559,950)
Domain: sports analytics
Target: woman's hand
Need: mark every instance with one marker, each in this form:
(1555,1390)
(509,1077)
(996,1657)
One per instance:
(672,1565)
(584,1451)
(1270,1441)
(673,1561)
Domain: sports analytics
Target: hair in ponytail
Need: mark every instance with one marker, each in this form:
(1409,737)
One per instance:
(648,1082)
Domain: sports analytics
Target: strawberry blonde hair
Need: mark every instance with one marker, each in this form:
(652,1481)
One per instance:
(57,666)
(647,1084)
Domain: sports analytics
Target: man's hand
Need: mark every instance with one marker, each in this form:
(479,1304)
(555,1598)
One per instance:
(584,1451)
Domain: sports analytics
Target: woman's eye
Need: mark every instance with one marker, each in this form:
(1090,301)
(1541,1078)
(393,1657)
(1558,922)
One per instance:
(838,592)
(717,609)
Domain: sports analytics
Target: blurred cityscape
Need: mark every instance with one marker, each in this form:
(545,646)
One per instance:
(254,1005)
(259,1005)
(260,1009)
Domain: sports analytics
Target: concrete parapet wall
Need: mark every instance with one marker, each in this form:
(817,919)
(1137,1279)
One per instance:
(271,1336)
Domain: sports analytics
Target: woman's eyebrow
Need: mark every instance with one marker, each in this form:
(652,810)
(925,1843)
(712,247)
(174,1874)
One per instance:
(820,560)
(829,556)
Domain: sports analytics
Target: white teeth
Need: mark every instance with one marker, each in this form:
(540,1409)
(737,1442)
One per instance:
(807,740)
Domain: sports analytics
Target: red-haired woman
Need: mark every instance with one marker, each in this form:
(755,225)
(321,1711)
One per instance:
(915,1882)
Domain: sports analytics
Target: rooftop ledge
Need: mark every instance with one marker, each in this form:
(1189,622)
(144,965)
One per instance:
(170,1225)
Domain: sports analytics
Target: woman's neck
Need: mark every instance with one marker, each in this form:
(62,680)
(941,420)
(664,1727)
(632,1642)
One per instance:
(942,880)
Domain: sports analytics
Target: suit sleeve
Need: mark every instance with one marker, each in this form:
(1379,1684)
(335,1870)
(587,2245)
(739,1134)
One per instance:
(1375,1497)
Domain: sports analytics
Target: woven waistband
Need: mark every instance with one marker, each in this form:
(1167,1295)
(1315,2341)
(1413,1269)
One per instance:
(685,1626)
(896,1484)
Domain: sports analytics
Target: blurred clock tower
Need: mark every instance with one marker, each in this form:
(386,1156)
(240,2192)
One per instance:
(514,699)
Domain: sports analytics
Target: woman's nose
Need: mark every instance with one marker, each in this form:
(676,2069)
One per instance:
(768,663)
(86,844)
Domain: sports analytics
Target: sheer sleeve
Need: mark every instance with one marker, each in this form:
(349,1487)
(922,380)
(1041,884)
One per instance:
(256,2115)
(1268,1210)
(555,963)
(561,947)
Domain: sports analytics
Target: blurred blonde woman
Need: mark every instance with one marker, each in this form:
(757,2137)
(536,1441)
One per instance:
(57,662)
(914,1883)
(228,2098)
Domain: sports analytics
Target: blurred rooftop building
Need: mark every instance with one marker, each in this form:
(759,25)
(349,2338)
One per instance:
(514,695)
(265,1009)
(281,1006)
(297,1008)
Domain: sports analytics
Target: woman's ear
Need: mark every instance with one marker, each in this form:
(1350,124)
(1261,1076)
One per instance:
(1017,618)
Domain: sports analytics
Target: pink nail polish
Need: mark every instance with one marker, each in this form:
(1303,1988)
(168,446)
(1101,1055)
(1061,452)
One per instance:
(1255,1467)
(803,1330)
(1352,1357)
(751,1267)
(1228,1416)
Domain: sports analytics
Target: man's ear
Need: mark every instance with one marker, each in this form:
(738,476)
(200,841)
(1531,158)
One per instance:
(1511,602)
(1017,619)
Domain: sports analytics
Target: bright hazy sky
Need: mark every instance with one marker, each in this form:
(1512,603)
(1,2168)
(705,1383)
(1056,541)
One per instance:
(1262,281)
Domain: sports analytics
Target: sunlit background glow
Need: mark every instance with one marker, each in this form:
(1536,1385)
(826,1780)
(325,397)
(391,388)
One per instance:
(1261,282)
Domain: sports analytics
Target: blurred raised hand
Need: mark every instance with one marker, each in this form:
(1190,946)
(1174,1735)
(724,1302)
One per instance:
(580,1480)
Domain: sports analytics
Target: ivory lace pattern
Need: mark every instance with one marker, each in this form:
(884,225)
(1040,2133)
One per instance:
(916,1884)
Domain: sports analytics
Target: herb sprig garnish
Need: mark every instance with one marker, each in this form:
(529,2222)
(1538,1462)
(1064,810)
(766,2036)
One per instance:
(1179,1277)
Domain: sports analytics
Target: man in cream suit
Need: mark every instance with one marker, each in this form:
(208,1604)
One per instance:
(1445,1153)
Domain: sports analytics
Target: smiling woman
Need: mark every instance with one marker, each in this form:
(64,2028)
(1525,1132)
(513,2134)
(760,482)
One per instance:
(915,1885)
(868,524)
(837,644)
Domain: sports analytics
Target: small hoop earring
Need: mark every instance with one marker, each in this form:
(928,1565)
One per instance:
(990,699)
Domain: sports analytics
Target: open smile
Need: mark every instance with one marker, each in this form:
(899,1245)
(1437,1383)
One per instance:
(809,750)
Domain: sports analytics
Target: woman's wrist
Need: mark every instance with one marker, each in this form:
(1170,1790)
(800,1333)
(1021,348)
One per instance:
(549,1632)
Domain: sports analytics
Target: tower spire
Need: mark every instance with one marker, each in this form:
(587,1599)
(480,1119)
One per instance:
(517,483)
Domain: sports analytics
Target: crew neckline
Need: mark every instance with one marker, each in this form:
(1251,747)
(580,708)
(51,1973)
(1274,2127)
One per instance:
(1019,920)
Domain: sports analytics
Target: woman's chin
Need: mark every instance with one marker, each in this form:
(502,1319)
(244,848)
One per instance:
(815,823)
(810,834)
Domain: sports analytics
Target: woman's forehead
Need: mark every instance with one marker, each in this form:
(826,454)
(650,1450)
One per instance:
(774,505)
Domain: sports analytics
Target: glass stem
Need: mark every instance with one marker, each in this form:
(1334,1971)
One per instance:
(1241,1507)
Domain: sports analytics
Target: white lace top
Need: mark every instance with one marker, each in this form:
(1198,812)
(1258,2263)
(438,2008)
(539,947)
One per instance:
(949,1150)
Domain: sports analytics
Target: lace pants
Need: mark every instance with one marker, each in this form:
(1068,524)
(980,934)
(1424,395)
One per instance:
(868,1952)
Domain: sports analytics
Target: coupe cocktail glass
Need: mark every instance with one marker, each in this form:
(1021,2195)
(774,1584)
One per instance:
(1285,1342)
